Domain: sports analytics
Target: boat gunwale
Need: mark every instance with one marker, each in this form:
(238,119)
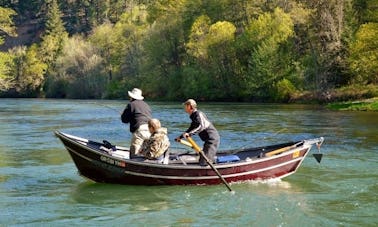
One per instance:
(207,177)
(76,140)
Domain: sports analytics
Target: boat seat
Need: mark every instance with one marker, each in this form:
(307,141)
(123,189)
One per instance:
(227,158)
(184,159)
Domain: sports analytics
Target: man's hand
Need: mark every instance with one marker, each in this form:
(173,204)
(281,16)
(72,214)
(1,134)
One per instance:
(184,135)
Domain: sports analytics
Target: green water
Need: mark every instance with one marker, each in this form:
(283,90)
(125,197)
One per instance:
(40,186)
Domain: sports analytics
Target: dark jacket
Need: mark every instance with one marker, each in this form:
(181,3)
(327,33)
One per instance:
(137,112)
(201,125)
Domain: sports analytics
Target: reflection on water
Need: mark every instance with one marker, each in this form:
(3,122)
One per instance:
(40,185)
(137,198)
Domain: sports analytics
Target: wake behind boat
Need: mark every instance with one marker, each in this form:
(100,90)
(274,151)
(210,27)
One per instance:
(107,163)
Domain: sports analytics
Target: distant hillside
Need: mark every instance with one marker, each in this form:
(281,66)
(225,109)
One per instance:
(28,32)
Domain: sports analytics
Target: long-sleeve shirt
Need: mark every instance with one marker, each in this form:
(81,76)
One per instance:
(137,112)
(202,126)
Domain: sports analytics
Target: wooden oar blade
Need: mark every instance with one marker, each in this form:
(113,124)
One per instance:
(318,157)
(198,149)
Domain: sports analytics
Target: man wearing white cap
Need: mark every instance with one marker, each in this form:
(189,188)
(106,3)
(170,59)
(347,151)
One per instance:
(137,113)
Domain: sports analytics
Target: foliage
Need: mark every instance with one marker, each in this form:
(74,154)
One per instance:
(163,51)
(6,75)
(52,41)
(6,27)
(267,62)
(54,35)
(343,94)
(364,54)
(79,70)
(130,33)
(28,68)
(197,38)
(362,105)
(284,89)
(6,23)
(209,50)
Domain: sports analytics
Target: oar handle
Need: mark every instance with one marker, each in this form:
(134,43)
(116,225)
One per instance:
(194,144)
(185,143)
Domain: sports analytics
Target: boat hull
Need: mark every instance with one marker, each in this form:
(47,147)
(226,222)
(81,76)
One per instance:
(99,166)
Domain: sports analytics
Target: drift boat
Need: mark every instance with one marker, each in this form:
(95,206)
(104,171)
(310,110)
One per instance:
(107,163)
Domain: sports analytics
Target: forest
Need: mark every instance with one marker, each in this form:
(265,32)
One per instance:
(210,50)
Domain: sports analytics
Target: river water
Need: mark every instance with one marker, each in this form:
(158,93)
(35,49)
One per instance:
(40,185)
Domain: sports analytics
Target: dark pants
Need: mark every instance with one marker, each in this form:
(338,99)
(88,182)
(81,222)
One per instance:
(210,149)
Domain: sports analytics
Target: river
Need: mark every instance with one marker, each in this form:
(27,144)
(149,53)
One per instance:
(40,185)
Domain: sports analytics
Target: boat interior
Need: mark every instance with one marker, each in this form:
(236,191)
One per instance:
(176,156)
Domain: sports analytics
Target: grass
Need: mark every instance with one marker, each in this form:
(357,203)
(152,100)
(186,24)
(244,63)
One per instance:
(349,98)
(360,105)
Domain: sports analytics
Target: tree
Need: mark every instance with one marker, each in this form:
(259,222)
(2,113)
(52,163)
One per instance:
(364,54)
(220,47)
(6,27)
(103,38)
(6,76)
(197,38)
(120,46)
(6,23)
(164,49)
(267,63)
(326,49)
(52,40)
(28,70)
(54,36)
(363,49)
(79,72)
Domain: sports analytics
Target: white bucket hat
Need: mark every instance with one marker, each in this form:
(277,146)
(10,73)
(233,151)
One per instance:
(136,94)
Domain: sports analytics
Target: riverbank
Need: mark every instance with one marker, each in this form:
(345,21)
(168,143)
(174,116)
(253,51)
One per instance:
(360,105)
(351,98)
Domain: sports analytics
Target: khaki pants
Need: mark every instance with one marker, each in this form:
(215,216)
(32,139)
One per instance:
(141,134)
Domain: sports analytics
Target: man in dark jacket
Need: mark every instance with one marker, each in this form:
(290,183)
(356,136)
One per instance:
(137,113)
(205,129)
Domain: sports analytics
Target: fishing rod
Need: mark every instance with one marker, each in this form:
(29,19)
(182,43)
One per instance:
(109,107)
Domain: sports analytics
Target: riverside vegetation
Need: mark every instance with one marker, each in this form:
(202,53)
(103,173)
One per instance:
(256,51)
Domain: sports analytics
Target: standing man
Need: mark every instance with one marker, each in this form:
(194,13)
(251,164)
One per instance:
(137,113)
(205,129)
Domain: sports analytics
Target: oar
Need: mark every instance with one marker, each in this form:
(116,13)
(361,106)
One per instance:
(186,143)
(194,145)
(280,150)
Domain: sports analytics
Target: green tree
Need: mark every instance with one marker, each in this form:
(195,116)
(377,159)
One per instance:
(28,70)
(121,48)
(52,40)
(220,47)
(6,27)
(197,38)
(103,37)
(7,79)
(363,48)
(6,23)
(79,72)
(268,63)
(54,36)
(364,54)
(164,49)
(326,50)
